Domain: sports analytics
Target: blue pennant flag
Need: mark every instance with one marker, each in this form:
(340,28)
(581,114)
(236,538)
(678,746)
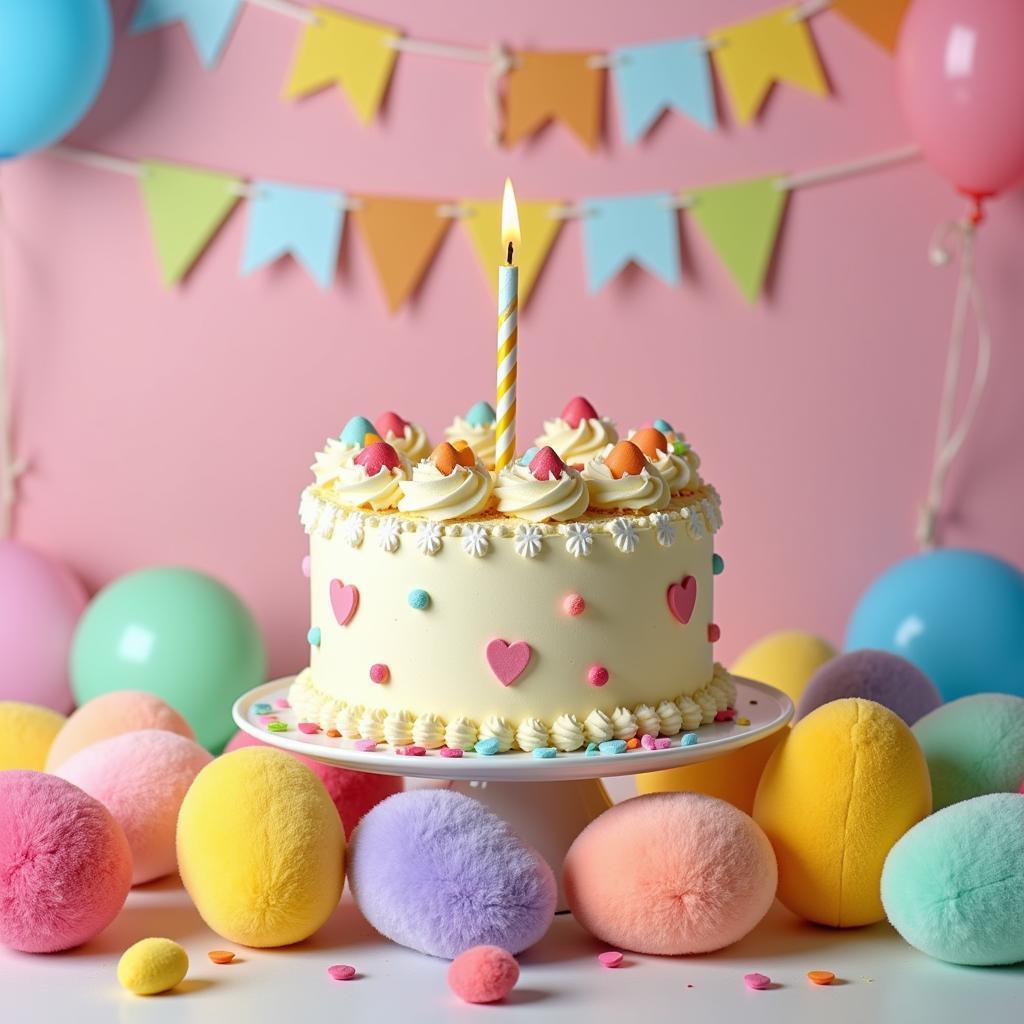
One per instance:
(305,222)
(644,229)
(652,78)
(209,22)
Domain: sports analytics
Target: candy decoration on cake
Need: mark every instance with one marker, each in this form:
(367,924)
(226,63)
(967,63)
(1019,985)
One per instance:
(408,438)
(356,431)
(344,601)
(579,433)
(622,478)
(508,661)
(682,598)
(478,428)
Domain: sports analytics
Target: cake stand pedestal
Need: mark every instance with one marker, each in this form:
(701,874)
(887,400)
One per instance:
(548,802)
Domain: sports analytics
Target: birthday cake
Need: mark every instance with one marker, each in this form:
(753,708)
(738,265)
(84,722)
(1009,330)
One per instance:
(562,602)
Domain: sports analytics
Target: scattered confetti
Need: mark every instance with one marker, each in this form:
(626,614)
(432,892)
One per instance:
(689,739)
(281,704)
(662,743)
(632,743)
(450,751)
(278,727)
(309,728)
(592,750)
(757,981)
(743,721)
(647,741)
(262,709)
(612,747)
(365,745)
(333,733)
(221,956)
(411,751)
(341,972)
(612,958)
(821,977)
(488,746)
(545,752)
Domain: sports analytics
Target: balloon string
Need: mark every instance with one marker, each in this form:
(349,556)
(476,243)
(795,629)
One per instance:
(949,440)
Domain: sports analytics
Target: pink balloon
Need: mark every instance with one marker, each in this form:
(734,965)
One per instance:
(40,604)
(961,76)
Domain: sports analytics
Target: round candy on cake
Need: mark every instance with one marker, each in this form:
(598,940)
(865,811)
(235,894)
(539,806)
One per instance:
(356,431)
(408,438)
(477,428)
(579,433)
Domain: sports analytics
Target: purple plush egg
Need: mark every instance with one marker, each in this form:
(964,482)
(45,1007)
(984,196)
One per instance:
(885,678)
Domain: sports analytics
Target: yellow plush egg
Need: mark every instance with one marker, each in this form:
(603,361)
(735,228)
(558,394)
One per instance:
(784,660)
(27,732)
(261,849)
(847,782)
(152,966)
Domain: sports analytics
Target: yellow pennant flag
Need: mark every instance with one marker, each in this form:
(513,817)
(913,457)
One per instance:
(752,55)
(880,19)
(337,49)
(402,235)
(539,230)
(550,85)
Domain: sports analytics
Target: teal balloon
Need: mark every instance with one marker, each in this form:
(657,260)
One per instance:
(175,633)
(54,56)
(956,614)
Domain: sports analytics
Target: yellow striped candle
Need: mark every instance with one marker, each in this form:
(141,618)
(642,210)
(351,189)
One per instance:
(508,333)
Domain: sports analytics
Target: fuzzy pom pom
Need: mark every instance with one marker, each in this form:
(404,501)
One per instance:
(953,886)
(353,793)
(27,732)
(110,715)
(141,778)
(152,966)
(578,409)
(702,878)
(973,746)
(65,865)
(438,872)
(885,678)
(483,974)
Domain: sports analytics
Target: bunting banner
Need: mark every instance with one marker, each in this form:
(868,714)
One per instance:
(358,56)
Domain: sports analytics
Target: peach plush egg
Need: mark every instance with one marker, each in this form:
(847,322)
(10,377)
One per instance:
(625,459)
(650,441)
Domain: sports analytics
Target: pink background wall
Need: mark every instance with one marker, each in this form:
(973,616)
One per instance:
(177,426)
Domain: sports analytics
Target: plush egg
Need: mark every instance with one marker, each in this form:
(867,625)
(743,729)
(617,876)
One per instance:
(141,778)
(973,746)
(844,785)
(670,874)
(953,886)
(885,678)
(438,872)
(152,966)
(110,715)
(27,732)
(353,793)
(65,864)
(261,850)
(784,660)
(650,441)
(625,459)
(733,777)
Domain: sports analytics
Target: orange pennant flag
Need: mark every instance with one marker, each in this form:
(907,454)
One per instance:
(880,19)
(402,235)
(547,86)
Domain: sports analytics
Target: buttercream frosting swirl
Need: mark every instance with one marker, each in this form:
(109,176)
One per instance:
(647,721)
(371,724)
(461,733)
(413,444)
(521,494)
(335,456)
(500,729)
(347,722)
(644,492)
(567,733)
(669,717)
(328,714)
(597,727)
(674,470)
(466,491)
(531,734)
(624,724)
(580,443)
(480,438)
(353,486)
(398,728)
(428,731)
(707,706)
(690,713)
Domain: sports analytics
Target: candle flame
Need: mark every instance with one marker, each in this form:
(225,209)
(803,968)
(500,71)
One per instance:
(510,238)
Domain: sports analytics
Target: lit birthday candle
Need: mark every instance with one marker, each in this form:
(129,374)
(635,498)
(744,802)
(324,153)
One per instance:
(508,316)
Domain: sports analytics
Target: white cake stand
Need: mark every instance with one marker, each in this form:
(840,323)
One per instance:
(548,802)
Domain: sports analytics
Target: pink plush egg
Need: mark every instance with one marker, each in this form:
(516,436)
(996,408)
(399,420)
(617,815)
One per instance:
(702,878)
(141,778)
(65,864)
(578,409)
(546,465)
(483,974)
(110,715)
(353,793)
(377,456)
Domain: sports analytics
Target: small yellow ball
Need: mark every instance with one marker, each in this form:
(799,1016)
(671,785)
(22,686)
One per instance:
(27,732)
(152,966)
(784,660)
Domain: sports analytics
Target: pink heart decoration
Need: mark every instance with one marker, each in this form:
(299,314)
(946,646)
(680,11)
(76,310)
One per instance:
(681,599)
(508,661)
(344,601)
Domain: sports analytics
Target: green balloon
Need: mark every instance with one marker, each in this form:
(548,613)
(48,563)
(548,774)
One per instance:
(175,633)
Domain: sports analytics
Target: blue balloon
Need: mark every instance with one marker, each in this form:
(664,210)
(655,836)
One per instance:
(54,55)
(958,615)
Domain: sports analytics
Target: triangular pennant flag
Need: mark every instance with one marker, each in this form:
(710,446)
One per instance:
(355,54)
(741,220)
(752,55)
(880,19)
(186,206)
(209,22)
(644,229)
(305,222)
(538,228)
(651,79)
(402,235)
(560,86)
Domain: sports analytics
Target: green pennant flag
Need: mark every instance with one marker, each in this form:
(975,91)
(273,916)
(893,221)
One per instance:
(186,206)
(741,220)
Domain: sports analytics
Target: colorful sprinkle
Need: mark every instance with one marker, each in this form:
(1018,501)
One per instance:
(450,751)
(632,743)
(743,721)
(757,981)
(277,727)
(262,709)
(592,750)
(717,564)
(612,958)
(574,605)
(725,716)
(267,719)
(411,751)
(309,727)
(689,739)
(419,599)
(221,956)
(379,673)
(281,704)
(313,636)
(647,741)
(333,733)
(612,747)
(821,977)
(545,752)
(714,633)
(662,743)
(597,675)
(487,746)
(305,566)
(366,745)
(341,972)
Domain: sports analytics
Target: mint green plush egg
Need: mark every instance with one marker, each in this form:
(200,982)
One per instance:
(953,886)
